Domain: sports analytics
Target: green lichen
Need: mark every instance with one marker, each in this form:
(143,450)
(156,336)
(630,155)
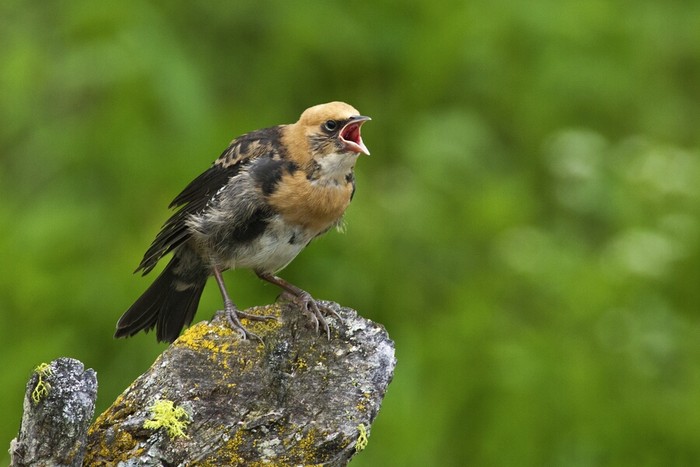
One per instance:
(41,390)
(164,414)
(362,440)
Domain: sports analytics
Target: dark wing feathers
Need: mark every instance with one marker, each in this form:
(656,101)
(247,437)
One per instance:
(201,189)
(198,194)
(193,199)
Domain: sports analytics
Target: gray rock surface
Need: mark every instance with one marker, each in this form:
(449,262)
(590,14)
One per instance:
(212,399)
(59,404)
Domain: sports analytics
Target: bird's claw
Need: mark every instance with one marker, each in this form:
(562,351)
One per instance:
(233,316)
(252,317)
(315,310)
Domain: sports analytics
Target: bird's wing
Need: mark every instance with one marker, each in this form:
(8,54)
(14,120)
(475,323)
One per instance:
(202,190)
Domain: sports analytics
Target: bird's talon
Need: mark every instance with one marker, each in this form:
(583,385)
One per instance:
(251,335)
(331,311)
(233,316)
(312,308)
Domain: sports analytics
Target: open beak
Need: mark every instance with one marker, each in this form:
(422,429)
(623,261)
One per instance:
(351,137)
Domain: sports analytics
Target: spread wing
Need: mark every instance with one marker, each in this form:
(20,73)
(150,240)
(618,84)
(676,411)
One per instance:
(197,196)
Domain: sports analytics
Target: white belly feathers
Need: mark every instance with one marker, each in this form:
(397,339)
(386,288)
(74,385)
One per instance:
(271,251)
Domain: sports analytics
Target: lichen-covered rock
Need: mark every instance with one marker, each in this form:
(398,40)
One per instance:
(58,406)
(299,398)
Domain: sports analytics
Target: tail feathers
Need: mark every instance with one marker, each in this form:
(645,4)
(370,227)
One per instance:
(169,305)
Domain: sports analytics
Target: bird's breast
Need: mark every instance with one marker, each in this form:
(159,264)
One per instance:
(270,251)
(313,205)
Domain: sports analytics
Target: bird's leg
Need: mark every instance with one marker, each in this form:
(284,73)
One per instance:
(233,314)
(304,299)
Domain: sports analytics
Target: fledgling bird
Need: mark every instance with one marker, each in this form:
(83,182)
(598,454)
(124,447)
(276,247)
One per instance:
(261,202)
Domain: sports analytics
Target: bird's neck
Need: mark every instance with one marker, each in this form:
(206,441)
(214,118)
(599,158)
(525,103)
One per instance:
(332,169)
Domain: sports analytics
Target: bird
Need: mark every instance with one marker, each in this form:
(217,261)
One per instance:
(259,204)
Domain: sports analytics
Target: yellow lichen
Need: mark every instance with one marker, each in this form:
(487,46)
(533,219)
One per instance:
(41,390)
(201,335)
(307,442)
(366,398)
(228,453)
(244,363)
(119,409)
(122,445)
(118,445)
(267,326)
(362,440)
(220,343)
(300,364)
(306,448)
(164,414)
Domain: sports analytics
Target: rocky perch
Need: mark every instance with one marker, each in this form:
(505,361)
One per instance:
(212,399)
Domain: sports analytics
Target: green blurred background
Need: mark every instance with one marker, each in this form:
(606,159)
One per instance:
(526,227)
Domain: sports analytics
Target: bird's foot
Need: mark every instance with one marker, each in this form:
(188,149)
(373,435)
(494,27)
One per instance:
(252,317)
(308,304)
(315,309)
(233,315)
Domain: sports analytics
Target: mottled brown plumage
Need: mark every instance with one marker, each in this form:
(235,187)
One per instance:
(261,202)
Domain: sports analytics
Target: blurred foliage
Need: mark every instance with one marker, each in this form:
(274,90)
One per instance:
(526,227)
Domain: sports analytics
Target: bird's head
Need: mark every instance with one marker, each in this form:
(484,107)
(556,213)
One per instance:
(333,128)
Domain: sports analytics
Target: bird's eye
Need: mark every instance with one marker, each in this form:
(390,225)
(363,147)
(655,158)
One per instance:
(330,125)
